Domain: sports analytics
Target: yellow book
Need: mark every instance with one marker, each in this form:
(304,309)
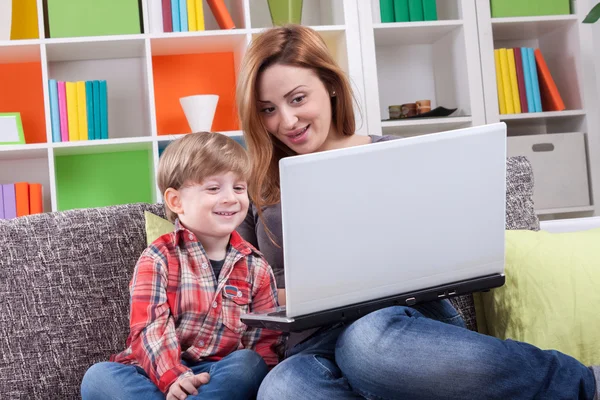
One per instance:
(199,15)
(508,98)
(72,113)
(24,20)
(514,86)
(82,111)
(191,14)
(500,87)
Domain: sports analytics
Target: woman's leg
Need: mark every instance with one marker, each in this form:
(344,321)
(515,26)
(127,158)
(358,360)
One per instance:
(309,372)
(397,352)
(111,380)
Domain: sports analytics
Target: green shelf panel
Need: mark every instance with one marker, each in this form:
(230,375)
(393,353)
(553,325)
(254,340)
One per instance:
(103,179)
(529,8)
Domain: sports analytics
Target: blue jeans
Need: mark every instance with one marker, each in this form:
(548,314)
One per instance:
(236,376)
(423,352)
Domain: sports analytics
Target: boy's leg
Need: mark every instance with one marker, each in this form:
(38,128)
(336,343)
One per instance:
(237,376)
(111,380)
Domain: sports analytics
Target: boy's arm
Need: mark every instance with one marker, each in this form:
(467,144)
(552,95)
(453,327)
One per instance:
(152,328)
(268,343)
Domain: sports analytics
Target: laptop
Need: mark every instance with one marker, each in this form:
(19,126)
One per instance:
(400,222)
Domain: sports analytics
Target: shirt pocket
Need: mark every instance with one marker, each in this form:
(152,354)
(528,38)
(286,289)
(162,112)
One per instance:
(236,301)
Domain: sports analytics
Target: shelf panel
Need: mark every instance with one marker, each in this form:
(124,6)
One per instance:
(423,126)
(567,210)
(95,48)
(19,51)
(21,151)
(102,146)
(413,33)
(541,117)
(529,27)
(176,43)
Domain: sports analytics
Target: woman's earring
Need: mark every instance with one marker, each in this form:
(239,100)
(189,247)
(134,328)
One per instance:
(333,94)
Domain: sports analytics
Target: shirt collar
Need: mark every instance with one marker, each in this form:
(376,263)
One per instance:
(181,233)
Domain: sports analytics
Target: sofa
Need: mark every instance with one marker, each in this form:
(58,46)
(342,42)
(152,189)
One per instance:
(64,287)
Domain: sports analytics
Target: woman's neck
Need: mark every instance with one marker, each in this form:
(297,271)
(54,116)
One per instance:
(336,141)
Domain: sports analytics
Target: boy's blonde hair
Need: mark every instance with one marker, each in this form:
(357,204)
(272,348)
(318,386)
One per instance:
(196,156)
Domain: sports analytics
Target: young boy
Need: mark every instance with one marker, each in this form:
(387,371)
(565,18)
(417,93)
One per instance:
(190,286)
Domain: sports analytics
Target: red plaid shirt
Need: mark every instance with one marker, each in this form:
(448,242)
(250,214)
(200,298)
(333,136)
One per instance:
(176,311)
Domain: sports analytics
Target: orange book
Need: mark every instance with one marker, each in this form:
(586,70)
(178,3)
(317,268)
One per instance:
(36,205)
(22,198)
(221,14)
(551,100)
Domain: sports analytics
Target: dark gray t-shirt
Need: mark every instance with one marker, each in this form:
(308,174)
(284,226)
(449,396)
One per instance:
(253,231)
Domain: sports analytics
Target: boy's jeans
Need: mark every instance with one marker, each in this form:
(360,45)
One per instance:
(423,352)
(236,376)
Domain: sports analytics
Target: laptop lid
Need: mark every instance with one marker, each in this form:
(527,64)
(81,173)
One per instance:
(392,217)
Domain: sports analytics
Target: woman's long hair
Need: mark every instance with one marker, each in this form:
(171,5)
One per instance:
(292,45)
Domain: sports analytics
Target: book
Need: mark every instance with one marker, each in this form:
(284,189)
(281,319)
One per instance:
(155,16)
(401,11)
(10,201)
(429,10)
(521,8)
(1,203)
(72,113)
(82,111)
(191,15)
(183,16)
(167,16)
(97,116)
(221,14)
(535,84)
(22,198)
(528,80)
(514,86)
(550,97)
(62,110)
(386,10)
(508,98)
(36,204)
(199,15)
(175,16)
(25,20)
(415,10)
(103,110)
(521,79)
(499,83)
(54,110)
(89,108)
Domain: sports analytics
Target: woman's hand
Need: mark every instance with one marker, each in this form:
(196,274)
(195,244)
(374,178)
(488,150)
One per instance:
(186,385)
(281,297)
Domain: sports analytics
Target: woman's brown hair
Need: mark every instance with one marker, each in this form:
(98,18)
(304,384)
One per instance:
(292,45)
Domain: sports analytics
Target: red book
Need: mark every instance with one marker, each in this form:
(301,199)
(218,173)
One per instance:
(166,15)
(221,14)
(551,100)
(36,205)
(521,80)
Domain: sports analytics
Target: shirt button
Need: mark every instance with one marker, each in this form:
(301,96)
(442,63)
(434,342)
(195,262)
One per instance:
(239,293)
(191,236)
(214,304)
(204,265)
(201,343)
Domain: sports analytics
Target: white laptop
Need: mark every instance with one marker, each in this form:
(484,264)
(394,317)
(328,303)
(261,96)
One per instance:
(391,223)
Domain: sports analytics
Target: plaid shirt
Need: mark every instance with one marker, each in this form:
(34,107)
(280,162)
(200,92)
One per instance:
(178,309)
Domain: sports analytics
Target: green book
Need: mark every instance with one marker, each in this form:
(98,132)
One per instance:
(386,9)
(415,10)
(68,18)
(401,11)
(429,10)
(520,8)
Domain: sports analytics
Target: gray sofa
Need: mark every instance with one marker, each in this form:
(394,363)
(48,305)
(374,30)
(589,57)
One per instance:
(64,288)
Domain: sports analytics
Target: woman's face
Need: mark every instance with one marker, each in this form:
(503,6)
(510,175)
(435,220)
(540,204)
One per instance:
(295,107)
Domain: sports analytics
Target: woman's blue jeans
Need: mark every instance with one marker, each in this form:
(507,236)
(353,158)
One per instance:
(422,352)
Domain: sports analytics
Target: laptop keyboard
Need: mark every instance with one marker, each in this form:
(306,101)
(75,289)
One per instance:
(280,313)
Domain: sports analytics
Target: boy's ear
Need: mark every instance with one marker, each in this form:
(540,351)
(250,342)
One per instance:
(173,200)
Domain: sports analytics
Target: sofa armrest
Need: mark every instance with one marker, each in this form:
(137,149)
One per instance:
(570,225)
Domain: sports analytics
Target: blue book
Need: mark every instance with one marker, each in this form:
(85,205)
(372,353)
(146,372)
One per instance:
(54,111)
(1,203)
(175,16)
(97,122)
(89,106)
(534,80)
(183,16)
(103,110)
(527,77)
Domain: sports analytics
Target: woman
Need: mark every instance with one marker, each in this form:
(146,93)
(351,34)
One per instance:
(294,99)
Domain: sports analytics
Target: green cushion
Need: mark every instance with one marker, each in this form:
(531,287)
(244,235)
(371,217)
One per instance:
(551,295)
(156,227)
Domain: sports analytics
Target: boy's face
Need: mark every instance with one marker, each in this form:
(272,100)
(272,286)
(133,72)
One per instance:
(215,207)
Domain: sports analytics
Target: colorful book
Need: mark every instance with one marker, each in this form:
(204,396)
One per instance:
(1,203)
(167,16)
(62,110)
(175,16)
(514,86)
(89,107)
(199,15)
(97,116)
(36,203)
(386,10)
(72,113)
(521,79)
(528,81)
(183,16)
(22,198)
(54,110)
(155,16)
(429,10)
(191,15)
(9,200)
(550,97)
(415,10)
(534,80)
(25,12)
(82,111)
(499,83)
(401,13)
(508,98)
(103,110)
(221,14)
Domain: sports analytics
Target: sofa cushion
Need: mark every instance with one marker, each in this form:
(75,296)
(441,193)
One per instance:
(65,301)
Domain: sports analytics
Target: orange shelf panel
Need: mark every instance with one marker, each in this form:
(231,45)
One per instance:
(21,91)
(182,75)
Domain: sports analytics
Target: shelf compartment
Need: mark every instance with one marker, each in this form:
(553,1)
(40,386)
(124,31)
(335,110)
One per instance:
(19,51)
(104,179)
(516,28)
(21,90)
(314,13)
(27,164)
(420,126)
(413,33)
(446,10)
(95,48)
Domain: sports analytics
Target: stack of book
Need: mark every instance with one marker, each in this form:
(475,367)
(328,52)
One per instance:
(20,199)
(407,10)
(78,110)
(188,15)
(524,82)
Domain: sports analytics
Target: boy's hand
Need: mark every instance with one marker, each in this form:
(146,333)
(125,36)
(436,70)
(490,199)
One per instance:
(182,387)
